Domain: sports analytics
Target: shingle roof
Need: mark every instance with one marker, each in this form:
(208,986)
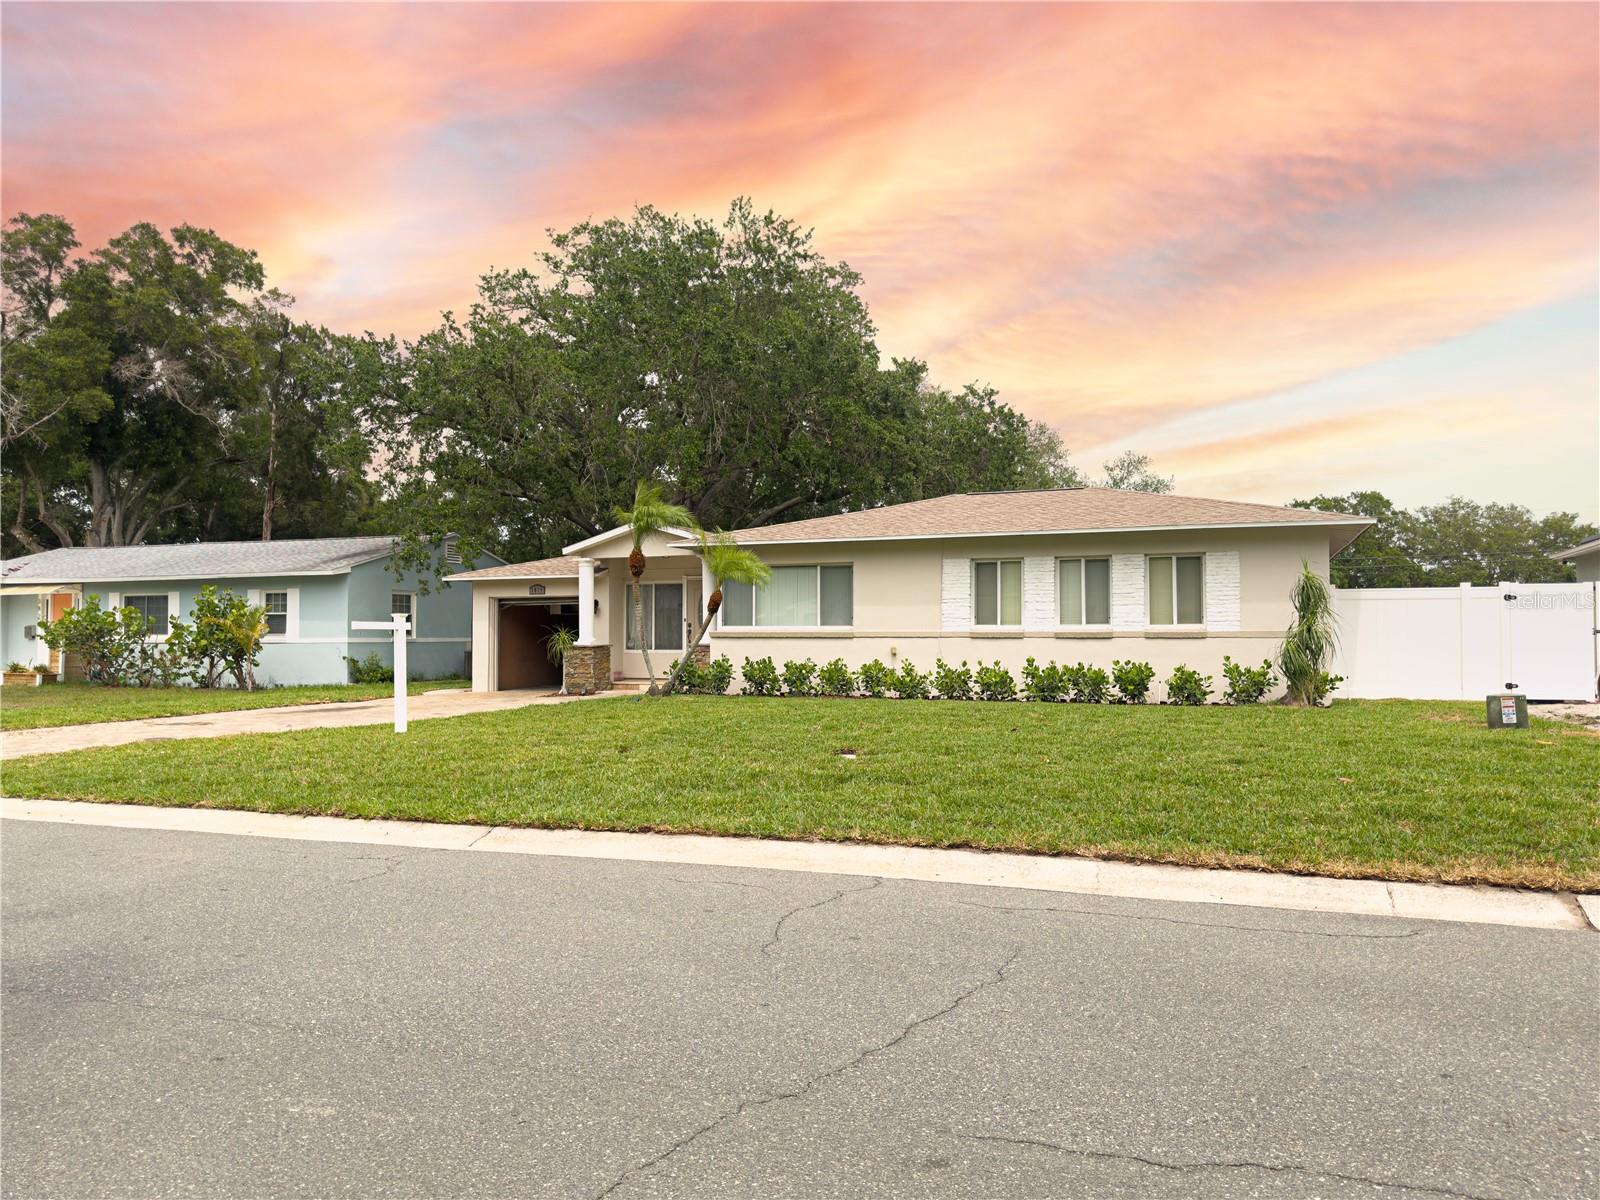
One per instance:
(1589,545)
(1059,510)
(561,567)
(197,560)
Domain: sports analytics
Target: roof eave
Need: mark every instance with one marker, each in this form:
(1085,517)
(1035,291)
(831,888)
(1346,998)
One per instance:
(1361,523)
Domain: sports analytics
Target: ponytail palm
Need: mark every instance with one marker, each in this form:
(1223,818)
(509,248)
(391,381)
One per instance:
(1309,643)
(651,513)
(726,562)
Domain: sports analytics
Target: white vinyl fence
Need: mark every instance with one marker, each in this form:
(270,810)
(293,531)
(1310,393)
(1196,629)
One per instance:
(1464,643)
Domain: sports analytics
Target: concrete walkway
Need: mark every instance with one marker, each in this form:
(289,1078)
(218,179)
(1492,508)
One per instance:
(1081,876)
(17,743)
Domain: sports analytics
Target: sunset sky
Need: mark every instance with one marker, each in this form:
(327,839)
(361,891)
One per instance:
(1282,249)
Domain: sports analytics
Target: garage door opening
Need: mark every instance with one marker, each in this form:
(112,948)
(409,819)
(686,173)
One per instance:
(522,654)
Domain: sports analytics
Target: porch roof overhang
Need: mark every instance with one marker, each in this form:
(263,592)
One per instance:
(616,543)
(37,589)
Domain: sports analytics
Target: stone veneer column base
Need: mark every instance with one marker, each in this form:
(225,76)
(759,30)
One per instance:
(701,655)
(587,669)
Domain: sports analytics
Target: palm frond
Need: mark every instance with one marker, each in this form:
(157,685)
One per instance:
(651,513)
(729,562)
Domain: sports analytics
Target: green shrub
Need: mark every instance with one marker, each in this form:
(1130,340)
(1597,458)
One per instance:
(370,669)
(876,679)
(1327,684)
(1133,680)
(994,683)
(18,668)
(800,678)
(836,679)
(1187,686)
(717,676)
(690,679)
(1044,683)
(952,683)
(1246,685)
(111,643)
(1090,685)
(760,677)
(910,683)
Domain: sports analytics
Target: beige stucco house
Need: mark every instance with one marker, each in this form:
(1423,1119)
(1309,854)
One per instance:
(1070,575)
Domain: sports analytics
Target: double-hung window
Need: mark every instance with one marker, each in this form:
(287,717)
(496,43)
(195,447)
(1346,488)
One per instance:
(1177,589)
(276,605)
(663,617)
(997,592)
(1083,590)
(808,597)
(153,608)
(403,602)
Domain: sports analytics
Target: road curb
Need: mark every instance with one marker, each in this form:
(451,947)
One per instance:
(1082,876)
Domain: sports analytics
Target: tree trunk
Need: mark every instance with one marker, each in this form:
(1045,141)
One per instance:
(683,663)
(644,642)
(270,501)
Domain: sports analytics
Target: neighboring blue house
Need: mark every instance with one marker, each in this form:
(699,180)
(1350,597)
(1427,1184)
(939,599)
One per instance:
(312,590)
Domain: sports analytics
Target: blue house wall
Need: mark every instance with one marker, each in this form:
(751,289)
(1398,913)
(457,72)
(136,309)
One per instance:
(321,610)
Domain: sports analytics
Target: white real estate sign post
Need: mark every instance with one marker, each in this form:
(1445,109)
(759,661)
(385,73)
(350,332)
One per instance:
(400,624)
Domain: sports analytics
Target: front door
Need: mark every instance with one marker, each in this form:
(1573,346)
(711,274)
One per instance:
(59,603)
(664,626)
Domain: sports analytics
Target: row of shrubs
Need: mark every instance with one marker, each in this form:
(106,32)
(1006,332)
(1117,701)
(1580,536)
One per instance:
(1126,683)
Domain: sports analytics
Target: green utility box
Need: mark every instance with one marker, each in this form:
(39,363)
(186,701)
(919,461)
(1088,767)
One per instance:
(1507,710)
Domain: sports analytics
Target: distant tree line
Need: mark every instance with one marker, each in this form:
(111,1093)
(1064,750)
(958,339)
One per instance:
(1442,545)
(155,390)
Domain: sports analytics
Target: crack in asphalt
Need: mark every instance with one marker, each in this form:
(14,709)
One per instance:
(1223,1165)
(393,865)
(813,1082)
(777,930)
(719,883)
(1116,916)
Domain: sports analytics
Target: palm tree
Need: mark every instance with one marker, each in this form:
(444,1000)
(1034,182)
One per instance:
(1310,640)
(727,562)
(651,513)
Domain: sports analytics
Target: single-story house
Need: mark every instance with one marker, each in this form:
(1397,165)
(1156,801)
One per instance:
(312,589)
(1584,557)
(1070,575)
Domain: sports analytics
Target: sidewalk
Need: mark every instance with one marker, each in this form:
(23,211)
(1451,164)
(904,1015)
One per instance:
(18,743)
(1082,876)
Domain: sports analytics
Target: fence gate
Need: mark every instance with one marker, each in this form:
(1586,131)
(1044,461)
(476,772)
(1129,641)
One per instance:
(1463,643)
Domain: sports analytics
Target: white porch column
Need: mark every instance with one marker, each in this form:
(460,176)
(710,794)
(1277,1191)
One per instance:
(586,602)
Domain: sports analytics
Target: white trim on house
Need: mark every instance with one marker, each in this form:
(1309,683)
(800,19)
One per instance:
(1222,591)
(582,548)
(116,600)
(1038,592)
(1175,625)
(1090,627)
(291,633)
(411,612)
(1127,593)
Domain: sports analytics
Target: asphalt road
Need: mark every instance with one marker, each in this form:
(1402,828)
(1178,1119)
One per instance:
(202,1015)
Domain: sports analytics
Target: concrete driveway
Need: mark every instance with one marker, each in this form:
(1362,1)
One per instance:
(192,1014)
(17,743)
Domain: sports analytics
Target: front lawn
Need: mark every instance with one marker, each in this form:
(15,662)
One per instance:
(1395,789)
(54,704)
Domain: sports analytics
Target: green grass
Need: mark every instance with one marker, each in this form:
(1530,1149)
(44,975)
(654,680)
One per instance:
(1394,790)
(55,704)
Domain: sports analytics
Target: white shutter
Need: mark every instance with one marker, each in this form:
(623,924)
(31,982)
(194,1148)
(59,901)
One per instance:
(1039,593)
(955,600)
(1127,591)
(1222,590)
